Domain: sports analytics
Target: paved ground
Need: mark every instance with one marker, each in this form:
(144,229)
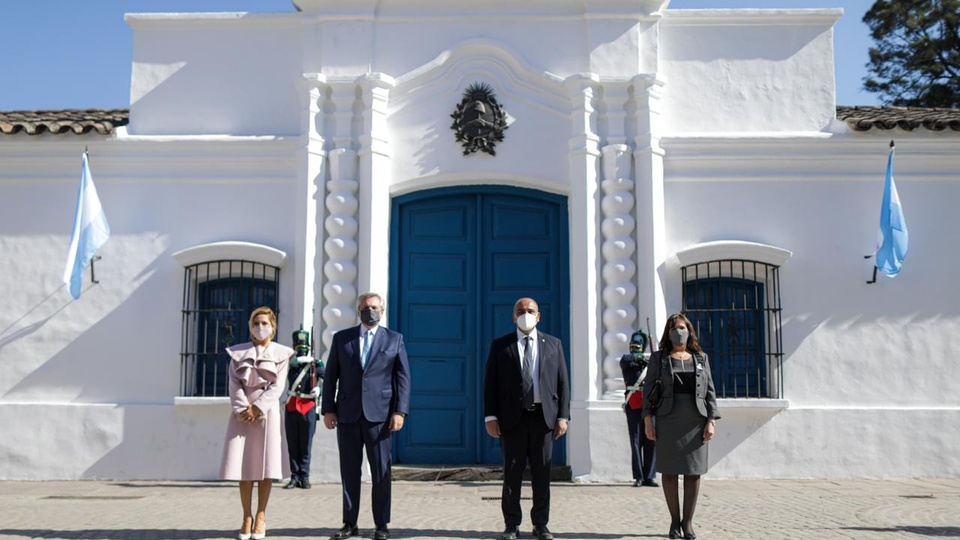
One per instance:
(729,509)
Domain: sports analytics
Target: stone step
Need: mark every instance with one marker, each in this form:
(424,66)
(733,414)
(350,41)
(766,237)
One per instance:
(468,473)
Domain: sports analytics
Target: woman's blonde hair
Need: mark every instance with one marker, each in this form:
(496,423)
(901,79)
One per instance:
(264,310)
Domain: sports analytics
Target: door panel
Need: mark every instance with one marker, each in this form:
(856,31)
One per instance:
(523,255)
(460,258)
(435,274)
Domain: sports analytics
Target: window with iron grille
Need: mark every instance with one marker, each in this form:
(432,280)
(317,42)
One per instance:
(218,297)
(734,306)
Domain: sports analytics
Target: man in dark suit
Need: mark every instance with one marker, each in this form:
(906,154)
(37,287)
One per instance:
(366,396)
(526,404)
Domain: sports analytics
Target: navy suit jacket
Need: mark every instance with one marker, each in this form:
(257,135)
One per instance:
(378,391)
(503,381)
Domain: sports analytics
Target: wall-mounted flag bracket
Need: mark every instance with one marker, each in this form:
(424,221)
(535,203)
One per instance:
(93,270)
(873,279)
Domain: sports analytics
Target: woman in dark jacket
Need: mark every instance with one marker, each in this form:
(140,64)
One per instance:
(686,411)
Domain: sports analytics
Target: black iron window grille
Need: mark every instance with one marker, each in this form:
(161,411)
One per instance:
(734,306)
(218,297)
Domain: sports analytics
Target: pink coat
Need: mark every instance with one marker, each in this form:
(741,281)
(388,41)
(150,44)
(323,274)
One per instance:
(256,451)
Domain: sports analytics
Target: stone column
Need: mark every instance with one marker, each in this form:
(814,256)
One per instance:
(649,214)
(375,180)
(341,225)
(619,292)
(311,158)
(583,158)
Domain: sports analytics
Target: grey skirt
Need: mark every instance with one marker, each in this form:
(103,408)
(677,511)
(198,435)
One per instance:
(680,446)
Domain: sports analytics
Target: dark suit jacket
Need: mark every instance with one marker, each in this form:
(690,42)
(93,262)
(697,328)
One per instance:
(503,381)
(660,368)
(377,391)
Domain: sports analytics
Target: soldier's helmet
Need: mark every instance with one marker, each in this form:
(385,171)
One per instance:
(301,342)
(638,341)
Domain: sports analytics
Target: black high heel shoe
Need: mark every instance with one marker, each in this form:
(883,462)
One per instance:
(687,535)
(675,530)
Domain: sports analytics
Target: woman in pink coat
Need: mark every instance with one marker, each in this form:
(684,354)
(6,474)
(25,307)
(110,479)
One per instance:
(253,450)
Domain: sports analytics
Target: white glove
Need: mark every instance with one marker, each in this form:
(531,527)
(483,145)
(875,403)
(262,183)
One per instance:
(300,361)
(315,392)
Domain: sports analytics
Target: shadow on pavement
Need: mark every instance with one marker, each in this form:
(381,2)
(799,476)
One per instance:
(947,531)
(176,485)
(398,533)
(201,534)
(119,534)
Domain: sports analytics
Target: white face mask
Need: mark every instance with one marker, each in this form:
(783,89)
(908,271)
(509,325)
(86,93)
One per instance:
(527,322)
(261,333)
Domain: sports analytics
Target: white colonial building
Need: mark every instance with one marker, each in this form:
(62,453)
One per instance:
(614,159)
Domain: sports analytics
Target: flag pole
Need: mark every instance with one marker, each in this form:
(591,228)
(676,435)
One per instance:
(95,258)
(892,237)
(873,278)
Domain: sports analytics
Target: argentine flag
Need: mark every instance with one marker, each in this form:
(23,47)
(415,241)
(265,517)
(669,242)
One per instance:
(90,231)
(892,238)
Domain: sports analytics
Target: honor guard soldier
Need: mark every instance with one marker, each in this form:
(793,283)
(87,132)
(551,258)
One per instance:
(303,379)
(643,457)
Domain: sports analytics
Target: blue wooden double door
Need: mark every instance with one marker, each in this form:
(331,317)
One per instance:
(460,259)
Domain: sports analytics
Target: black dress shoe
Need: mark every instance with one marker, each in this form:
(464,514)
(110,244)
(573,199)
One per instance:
(382,533)
(346,531)
(675,530)
(292,484)
(305,484)
(510,533)
(690,536)
(636,483)
(542,533)
(650,483)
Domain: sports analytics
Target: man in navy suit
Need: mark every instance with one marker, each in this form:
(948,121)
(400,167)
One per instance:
(526,404)
(366,396)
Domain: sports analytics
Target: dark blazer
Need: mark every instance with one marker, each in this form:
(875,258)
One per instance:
(377,391)
(660,368)
(503,381)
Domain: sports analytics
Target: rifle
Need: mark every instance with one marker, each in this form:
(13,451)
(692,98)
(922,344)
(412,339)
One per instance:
(653,343)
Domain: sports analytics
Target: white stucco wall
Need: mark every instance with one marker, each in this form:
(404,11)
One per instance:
(91,383)
(860,402)
(221,74)
(224,143)
(748,70)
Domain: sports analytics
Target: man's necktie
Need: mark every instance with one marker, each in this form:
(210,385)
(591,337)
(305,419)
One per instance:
(527,372)
(365,351)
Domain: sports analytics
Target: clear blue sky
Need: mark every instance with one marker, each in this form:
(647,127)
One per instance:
(69,54)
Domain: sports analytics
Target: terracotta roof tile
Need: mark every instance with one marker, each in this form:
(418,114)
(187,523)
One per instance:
(104,121)
(78,121)
(908,118)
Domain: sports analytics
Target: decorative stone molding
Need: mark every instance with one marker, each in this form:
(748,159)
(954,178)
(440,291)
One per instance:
(308,209)
(650,231)
(341,224)
(619,291)
(245,251)
(340,247)
(733,249)
(583,156)
(375,177)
